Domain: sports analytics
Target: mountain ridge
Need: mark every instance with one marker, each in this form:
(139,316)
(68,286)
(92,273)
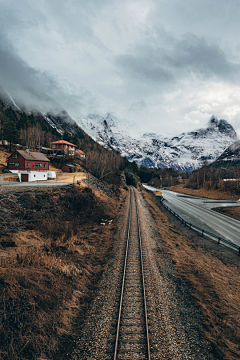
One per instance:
(184,152)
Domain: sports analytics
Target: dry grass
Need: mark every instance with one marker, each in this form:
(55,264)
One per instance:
(214,284)
(10,179)
(47,277)
(70,177)
(3,157)
(233,212)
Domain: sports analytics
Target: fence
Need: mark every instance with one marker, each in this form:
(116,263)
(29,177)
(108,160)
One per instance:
(204,232)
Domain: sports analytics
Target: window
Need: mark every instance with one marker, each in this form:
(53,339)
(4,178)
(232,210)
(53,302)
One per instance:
(38,165)
(45,165)
(28,164)
(15,156)
(16,164)
(11,163)
(54,146)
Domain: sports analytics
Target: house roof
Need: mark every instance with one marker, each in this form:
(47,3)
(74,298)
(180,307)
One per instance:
(80,152)
(69,165)
(32,155)
(63,142)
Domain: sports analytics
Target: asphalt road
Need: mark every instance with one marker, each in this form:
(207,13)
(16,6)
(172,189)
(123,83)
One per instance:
(198,211)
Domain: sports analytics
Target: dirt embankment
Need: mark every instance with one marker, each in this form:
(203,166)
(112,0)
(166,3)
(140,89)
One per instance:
(213,281)
(54,244)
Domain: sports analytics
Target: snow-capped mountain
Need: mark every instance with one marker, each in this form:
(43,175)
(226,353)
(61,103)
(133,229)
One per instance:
(232,153)
(186,151)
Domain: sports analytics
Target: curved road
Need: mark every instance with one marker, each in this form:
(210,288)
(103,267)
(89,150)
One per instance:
(198,211)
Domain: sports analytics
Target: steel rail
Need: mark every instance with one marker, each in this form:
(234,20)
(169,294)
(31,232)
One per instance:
(143,281)
(132,193)
(123,280)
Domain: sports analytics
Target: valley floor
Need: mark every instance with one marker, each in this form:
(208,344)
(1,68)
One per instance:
(60,255)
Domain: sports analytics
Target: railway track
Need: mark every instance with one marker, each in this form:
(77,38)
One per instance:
(131,326)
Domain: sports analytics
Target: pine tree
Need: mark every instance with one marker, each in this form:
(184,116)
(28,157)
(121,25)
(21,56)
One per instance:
(10,132)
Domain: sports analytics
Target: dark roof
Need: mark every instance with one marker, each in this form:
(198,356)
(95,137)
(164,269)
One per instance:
(32,155)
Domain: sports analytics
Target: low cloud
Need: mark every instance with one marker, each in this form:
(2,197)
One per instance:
(178,59)
(29,88)
(161,65)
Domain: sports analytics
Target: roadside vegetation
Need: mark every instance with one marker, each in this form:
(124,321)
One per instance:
(223,176)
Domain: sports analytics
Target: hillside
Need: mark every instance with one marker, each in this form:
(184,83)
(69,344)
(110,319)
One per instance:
(231,154)
(34,129)
(52,251)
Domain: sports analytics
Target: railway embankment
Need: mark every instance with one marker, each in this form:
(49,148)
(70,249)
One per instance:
(55,244)
(212,274)
(176,329)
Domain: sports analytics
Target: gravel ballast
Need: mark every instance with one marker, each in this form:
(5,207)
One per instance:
(176,330)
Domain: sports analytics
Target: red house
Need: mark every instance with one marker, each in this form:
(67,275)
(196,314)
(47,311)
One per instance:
(80,154)
(68,168)
(66,146)
(28,160)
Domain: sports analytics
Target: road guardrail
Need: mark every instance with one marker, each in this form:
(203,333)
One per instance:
(202,231)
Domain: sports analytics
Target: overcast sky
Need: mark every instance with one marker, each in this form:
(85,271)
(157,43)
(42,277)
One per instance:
(167,65)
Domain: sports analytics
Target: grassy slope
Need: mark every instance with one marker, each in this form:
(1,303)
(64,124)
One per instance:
(50,259)
(214,284)
(4,153)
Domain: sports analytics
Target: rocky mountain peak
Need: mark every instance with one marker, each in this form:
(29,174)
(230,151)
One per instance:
(221,125)
(186,151)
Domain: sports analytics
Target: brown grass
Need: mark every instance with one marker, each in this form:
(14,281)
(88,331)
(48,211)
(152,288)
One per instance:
(233,212)
(214,284)
(3,157)
(10,179)
(47,277)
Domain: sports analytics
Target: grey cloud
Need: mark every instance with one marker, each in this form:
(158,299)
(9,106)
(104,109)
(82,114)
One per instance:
(145,67)
(104,56)
(195,54)
(176,59)
(33,89)
(138,106)
(24,83)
